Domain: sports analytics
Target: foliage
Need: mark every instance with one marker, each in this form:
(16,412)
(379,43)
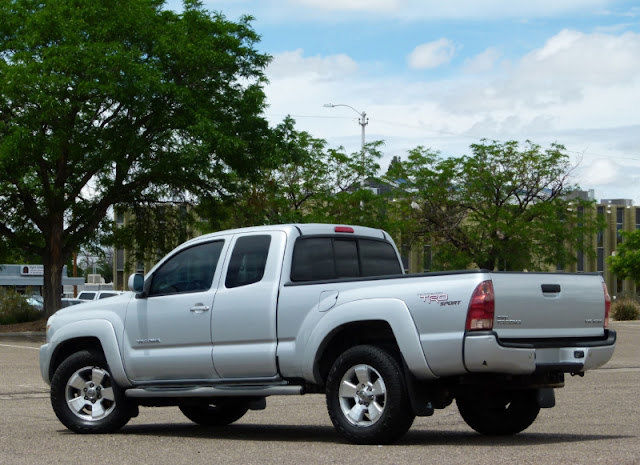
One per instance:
(626,262)
(104,104)
(15,309)
(503,207)
(625,309)
(313,184)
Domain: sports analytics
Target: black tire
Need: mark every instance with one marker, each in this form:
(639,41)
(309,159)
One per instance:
(221,413)
(85,397)
(500,413)
(367,398)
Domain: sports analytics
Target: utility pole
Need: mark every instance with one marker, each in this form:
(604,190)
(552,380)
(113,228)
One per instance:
(363,120)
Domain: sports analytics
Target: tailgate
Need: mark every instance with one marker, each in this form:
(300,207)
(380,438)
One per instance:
(548,305)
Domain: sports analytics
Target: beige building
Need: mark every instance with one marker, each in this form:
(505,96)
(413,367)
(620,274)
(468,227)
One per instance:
(619,215)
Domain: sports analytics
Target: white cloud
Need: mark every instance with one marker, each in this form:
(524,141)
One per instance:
(572,72)
(288,64)
(432,54)
(483,62)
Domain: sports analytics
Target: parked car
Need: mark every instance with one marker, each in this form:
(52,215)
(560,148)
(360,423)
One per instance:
(36,301)
(97,295)
(230,318)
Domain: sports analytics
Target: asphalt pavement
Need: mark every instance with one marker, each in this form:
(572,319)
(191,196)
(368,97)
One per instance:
(596,421)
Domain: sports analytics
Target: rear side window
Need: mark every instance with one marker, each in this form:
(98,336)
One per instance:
(324,258)
(248,261)
(378,258)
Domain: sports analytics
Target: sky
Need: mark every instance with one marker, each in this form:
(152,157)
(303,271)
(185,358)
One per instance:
(445,75)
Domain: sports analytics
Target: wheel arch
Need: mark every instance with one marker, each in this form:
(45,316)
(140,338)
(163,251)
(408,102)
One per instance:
(94,335)
(342,338)
(384,322)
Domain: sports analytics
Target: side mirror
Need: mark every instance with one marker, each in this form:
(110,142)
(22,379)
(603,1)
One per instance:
(136,282)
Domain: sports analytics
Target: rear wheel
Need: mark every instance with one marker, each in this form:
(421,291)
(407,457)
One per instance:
(500,413)
(221,413)
(84,396)
(367,398)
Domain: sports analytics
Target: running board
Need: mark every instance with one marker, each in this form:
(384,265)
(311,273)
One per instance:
(209,391)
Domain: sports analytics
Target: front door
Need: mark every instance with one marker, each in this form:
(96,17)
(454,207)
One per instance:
(168,333)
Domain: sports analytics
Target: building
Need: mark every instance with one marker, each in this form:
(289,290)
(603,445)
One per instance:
(618,215)
(29,279)
(168,223)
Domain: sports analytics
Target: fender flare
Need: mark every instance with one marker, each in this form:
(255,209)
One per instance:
(100,329)
(392,311)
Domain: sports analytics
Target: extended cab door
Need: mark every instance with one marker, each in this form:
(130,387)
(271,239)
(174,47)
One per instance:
(168,332)
(244,311)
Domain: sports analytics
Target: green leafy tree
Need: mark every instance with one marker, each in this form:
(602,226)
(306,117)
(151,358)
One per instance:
(354,197)
(105,103)
(282,194)
(626,262)
(503,207)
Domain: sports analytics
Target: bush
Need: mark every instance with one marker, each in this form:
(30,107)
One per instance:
(625,309)
(15,309)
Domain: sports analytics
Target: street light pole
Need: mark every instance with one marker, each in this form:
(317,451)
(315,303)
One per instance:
(362,120)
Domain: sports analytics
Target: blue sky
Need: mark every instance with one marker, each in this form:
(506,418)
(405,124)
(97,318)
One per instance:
(446,74)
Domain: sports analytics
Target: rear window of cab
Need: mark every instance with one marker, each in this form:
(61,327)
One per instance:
(327,258)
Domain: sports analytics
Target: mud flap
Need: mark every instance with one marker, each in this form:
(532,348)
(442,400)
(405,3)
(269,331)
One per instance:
(546,398)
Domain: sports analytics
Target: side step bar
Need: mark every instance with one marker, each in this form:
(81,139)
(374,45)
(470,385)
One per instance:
(209,391)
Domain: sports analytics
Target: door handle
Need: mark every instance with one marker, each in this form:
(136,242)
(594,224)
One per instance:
(200,308)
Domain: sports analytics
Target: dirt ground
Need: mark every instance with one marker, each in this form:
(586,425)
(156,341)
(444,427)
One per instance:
(39,325)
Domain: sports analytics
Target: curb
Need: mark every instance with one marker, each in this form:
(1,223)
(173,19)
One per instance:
(37,335)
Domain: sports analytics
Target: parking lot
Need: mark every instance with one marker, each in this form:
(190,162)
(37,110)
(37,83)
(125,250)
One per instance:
(596,420)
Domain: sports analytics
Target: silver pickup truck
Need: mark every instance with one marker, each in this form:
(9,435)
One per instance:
(230,318)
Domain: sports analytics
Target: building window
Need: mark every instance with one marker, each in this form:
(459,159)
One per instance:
(600,264)
(580,254)
(120,259)
(637,218)
(580,262)
(600,243)
(619,224)
(427,258)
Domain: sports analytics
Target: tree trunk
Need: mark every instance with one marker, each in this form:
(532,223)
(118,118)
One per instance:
(53,260)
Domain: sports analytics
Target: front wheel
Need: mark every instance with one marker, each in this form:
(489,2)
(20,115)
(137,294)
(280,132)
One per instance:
(367,398)
(500,413)
(84,396)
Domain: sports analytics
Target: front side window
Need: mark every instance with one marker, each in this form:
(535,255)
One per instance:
(248,261)
(190,270)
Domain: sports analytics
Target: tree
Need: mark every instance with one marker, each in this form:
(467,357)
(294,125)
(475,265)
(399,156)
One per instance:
(504,207)
(105,103)
(282,194)
(626,262)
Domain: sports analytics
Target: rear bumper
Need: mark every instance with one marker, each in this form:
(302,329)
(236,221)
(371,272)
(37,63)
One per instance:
(484,352)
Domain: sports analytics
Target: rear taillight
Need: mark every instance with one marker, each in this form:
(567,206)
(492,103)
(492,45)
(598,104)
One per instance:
(607,305)
(481,308)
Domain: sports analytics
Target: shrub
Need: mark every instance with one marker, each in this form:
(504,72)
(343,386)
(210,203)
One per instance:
(625,309)
(15,309)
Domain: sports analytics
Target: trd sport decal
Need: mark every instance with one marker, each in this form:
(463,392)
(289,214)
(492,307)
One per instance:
(439,298)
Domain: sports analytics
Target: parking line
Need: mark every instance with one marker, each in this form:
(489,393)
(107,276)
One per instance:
(19,347)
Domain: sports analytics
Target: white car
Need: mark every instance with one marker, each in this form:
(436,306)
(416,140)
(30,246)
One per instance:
(97,295)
